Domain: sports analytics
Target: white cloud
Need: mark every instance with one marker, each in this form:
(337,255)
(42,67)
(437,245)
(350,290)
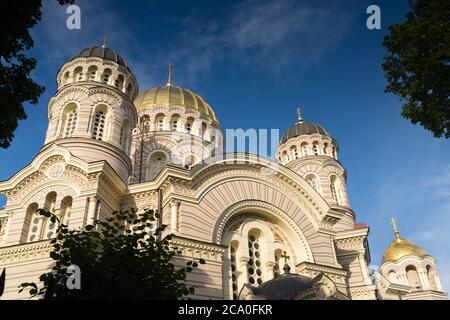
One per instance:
(272,35)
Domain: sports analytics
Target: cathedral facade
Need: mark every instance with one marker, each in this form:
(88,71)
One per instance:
(267,229)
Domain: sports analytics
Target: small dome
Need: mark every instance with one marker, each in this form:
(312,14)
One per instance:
(303,127)
(284,287)
(400,248)
(104,53)
(176,96)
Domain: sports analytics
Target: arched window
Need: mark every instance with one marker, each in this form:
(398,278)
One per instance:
(334,188)
(203,131)
(294,152)
(70,118)
(315,148)
(155,163)
(285,156)
(125,135)
(129,89)
(66,78)
(92,73)
(257,250)
(189,124)
(145,123)
(99,127)
(312,180)
(174,122)
(325,148)
(35,223)
(106,76)
(49,227)
(333,152)
(65,210)
(118,83)
(304,147)
(234,274)
(78,74)
(413,277)
(159,122)
(255,262)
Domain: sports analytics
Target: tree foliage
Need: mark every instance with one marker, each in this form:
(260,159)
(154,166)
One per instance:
(120,258)
(417,65)
(16,85)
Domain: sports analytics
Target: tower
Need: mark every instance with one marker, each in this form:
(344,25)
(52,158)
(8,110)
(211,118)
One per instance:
(309,150)
(92,113)
(176,126)
(407,264)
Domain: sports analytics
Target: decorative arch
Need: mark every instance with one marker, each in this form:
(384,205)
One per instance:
(269,211)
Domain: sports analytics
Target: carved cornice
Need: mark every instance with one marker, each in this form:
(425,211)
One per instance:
(194,249)
(312,270)
(24,253)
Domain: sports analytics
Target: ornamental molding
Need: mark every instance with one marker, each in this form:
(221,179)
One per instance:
(222,173)
(312,270)
(53,172)
(363,293)
(23,253)
(403,262)
(230,212)
(3,223)
(194,249)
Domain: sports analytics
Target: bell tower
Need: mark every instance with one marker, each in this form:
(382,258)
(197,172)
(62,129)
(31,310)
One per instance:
(92,113)
(309,150)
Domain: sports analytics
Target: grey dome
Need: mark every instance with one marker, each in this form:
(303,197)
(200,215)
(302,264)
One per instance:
(303,127)
(104,53)
(284,287)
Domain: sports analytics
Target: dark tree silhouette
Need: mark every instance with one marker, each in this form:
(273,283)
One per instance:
(16,86)
(120,258)
(417,65)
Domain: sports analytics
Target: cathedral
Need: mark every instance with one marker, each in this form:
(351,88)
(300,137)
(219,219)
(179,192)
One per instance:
(267,229)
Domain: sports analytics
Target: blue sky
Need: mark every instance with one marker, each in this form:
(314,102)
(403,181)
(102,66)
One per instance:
(254,62)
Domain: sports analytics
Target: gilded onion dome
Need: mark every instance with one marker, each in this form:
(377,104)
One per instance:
(400,248)
(170,95)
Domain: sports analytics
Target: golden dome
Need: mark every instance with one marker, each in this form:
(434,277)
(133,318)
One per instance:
(401,247)
(170,95)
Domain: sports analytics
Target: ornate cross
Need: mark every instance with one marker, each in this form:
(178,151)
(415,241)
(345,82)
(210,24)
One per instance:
(285,257)
(397,233)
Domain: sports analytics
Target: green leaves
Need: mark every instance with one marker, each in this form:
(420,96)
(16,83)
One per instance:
(118,259)
(417,65)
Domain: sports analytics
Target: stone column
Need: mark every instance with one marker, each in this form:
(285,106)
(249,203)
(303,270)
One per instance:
(269,268)
(243,261)
(438,281)
(423,278)
(402,277)
(363,266)
(174,205)
(91,210)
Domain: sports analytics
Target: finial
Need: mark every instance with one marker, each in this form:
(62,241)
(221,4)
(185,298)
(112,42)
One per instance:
(169,80)
(397,233)
(299,114)
(104,41)
(286,267)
